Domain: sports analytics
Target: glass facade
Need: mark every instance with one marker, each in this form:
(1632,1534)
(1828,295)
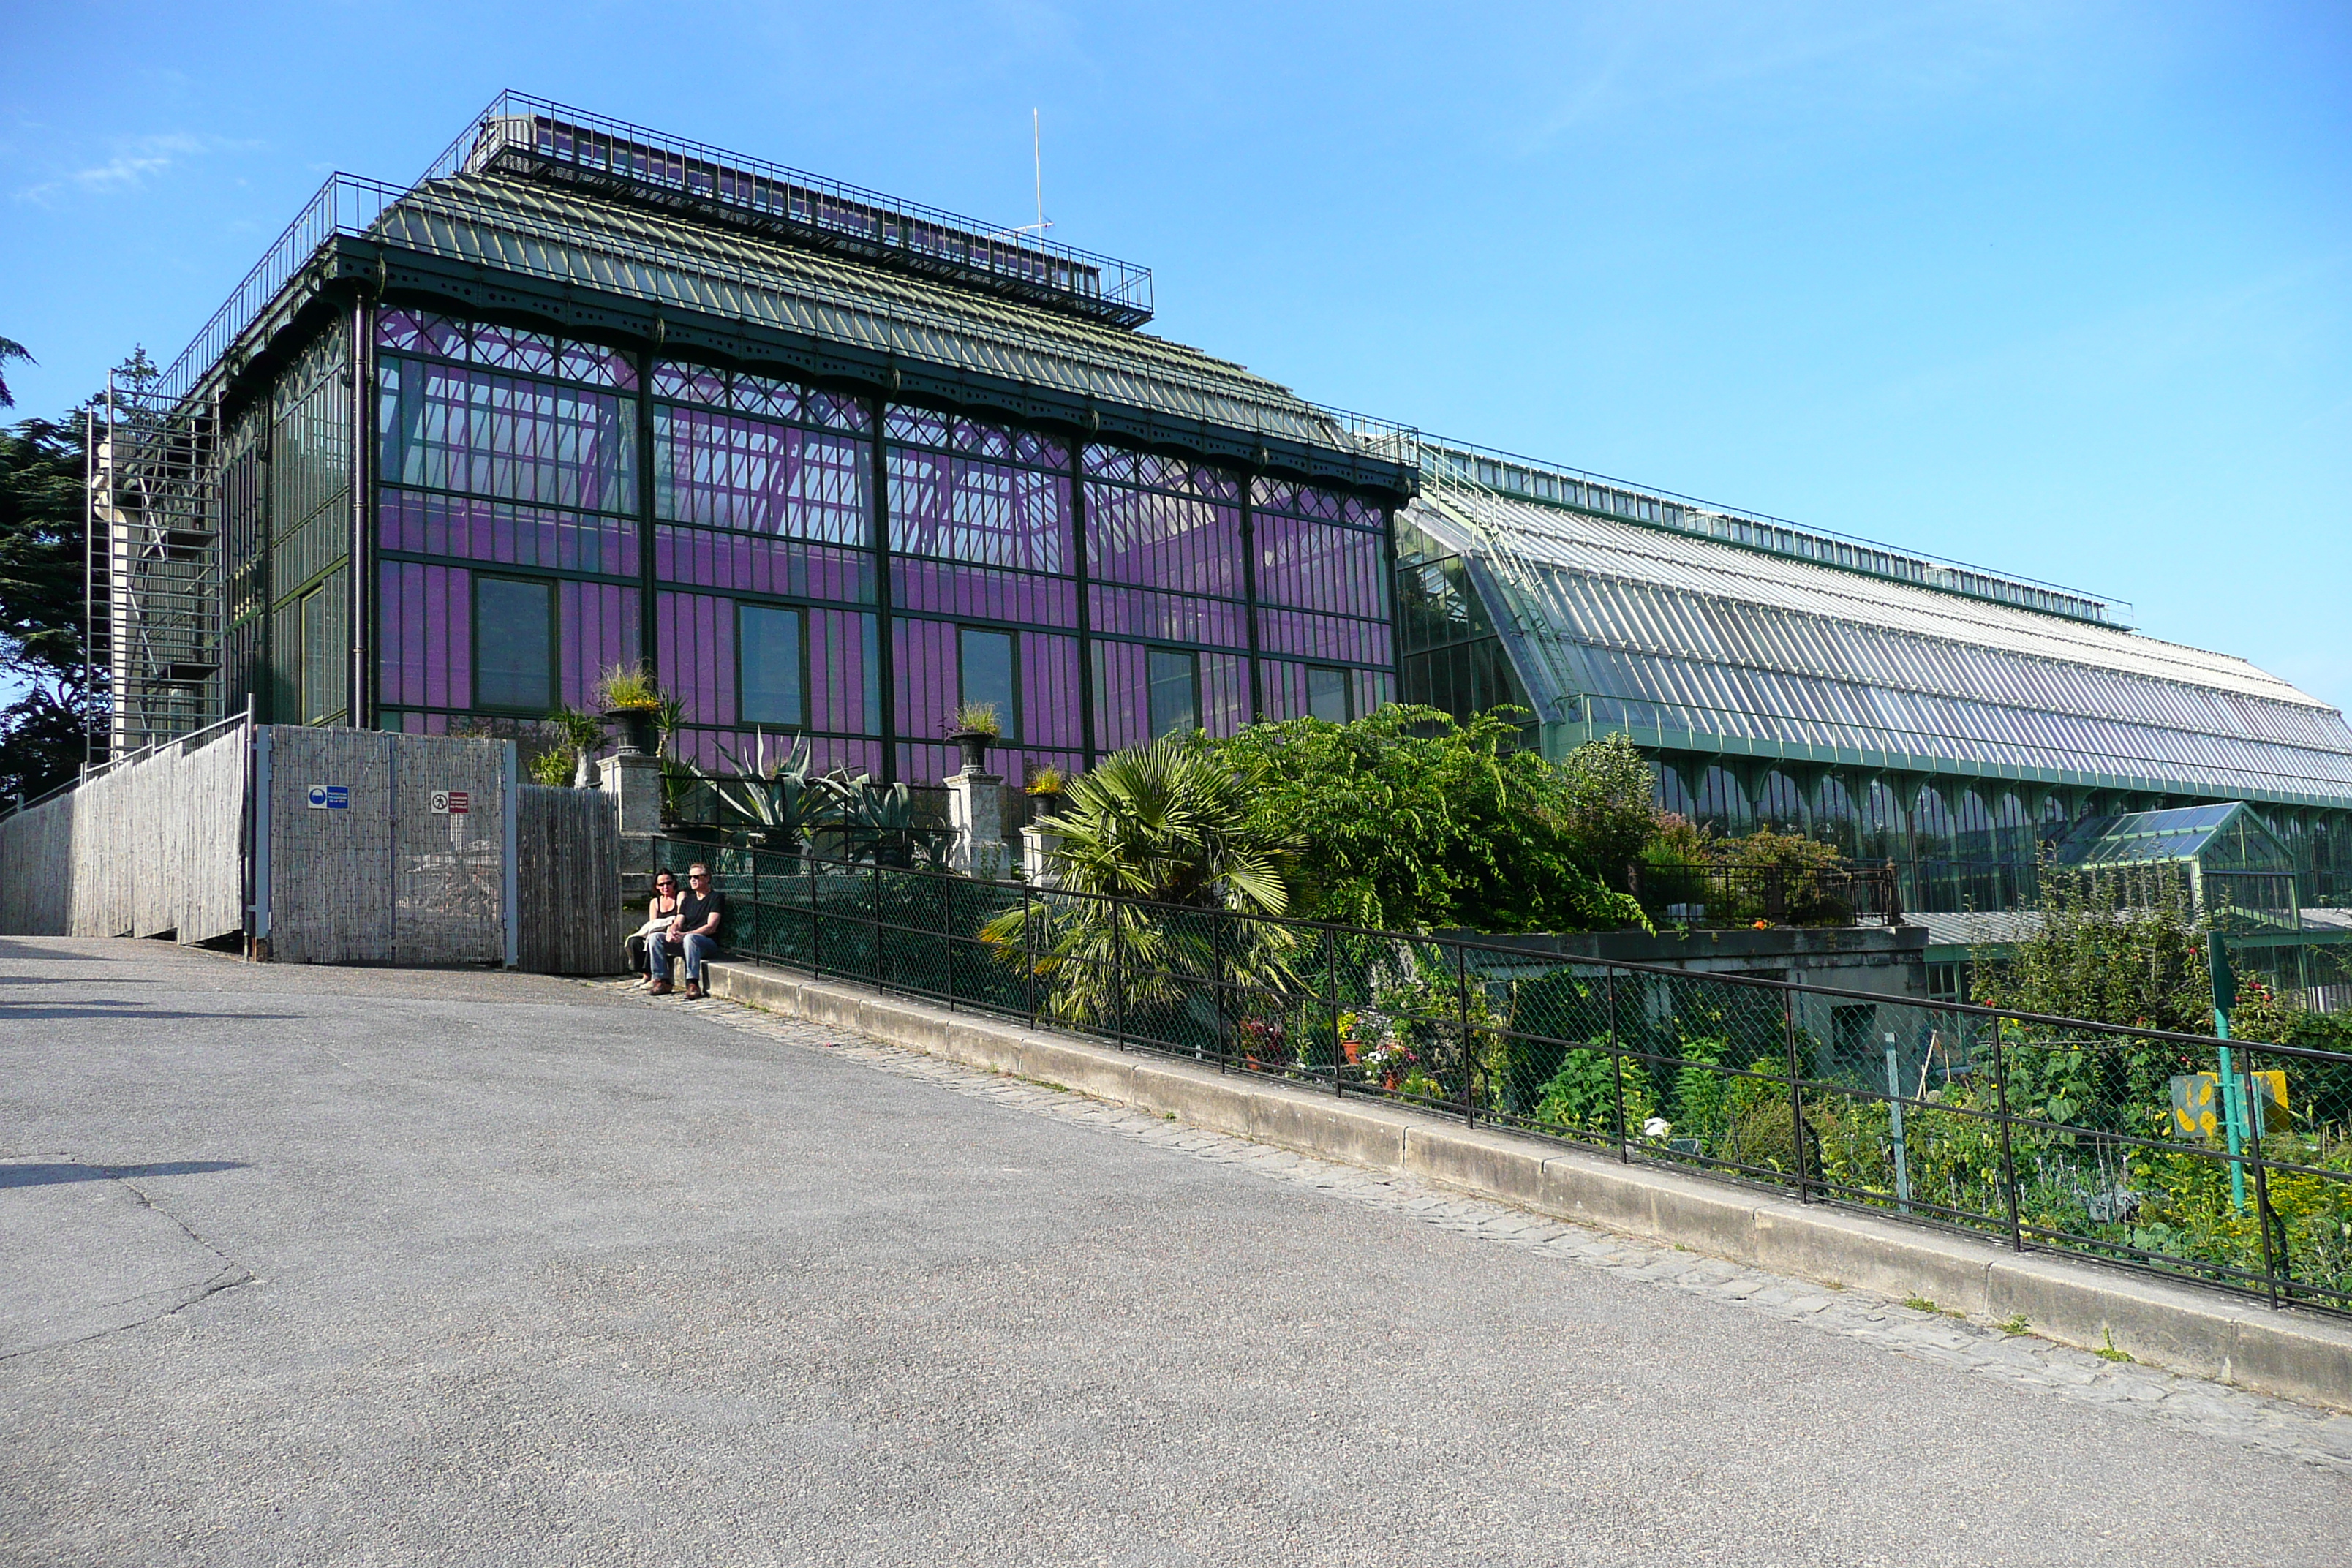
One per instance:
(1959,738)
(850,569)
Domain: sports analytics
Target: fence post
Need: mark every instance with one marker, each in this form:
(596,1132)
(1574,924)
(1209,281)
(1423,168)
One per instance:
(1332,994)
(1616,1066)
(1469,1071)
(1119,969)
(1030,915)
(2262,1186)
(2007,1158)
(816,925)
(874,916)
(1796,1098)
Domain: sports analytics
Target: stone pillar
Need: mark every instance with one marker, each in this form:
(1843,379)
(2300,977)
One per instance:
(976,812)
(1037,855)
(634,781)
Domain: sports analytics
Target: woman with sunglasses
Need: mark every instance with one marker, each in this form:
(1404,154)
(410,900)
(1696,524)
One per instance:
(659,915)
(694,931)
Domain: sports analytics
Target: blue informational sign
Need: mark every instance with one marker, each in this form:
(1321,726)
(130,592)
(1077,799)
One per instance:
(330,797)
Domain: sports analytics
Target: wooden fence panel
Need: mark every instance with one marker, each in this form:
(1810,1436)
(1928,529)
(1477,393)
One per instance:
(568,882)
(331,893)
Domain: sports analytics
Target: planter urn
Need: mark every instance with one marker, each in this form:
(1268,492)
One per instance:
(636,730)
(974,745)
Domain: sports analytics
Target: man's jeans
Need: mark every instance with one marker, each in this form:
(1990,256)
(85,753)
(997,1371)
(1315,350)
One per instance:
(696,948)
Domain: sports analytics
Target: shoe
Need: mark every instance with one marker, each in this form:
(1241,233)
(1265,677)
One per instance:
(658,988)
(693,991)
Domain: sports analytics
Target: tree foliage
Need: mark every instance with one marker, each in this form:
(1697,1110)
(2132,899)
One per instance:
(1409,820)
(42,558)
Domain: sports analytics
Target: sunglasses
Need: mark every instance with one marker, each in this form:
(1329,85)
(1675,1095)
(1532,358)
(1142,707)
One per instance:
(705,877)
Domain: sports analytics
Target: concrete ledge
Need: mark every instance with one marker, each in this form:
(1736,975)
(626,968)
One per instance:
(2295,1355)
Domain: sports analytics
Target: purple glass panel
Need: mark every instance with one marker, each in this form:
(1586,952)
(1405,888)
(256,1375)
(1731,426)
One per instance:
(978,440)
(421,331)
(696,646)
(1122,716)
(749,563)
(1158,472)
(1041,452)
(1375,688)
(597,629)
(424,524)
(595,363)
(960,509)
(1317,566)
(1283,688)
(729,471)
(836,412)
(511,348)
(920,427)
(933,763)
(1163,542)
(1225,693)
(483,432)
(425,654)
(397,329)
(982,595)
(928,674)
(1323,636)
(839,679)
(690,382)
(1049,691)
(764,397)
(1165,617)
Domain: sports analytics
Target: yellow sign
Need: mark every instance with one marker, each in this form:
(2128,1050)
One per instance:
(2197,1102)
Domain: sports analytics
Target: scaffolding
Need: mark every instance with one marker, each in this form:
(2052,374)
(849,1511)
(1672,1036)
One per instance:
(153,643)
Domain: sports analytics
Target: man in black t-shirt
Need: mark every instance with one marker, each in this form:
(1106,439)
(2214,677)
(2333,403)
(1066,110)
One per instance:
(695,932)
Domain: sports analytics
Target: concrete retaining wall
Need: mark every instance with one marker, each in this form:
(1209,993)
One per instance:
(2293,1354)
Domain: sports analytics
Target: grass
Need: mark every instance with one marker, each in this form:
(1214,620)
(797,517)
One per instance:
(2014,1324)
(1921,1304)
(2107,1352)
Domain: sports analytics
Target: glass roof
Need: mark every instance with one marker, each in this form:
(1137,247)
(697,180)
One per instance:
(2221,831)
(1695,642)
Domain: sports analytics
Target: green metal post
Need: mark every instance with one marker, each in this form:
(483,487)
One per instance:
(2233,1099)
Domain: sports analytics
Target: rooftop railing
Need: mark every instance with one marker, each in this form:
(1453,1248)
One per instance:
(552,140)
(1508,474)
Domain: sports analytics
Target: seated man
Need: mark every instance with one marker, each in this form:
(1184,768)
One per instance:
(659,915)
(693,932)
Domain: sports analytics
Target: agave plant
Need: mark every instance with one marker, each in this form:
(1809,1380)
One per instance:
(1168,825)
(786,800)
(877,823)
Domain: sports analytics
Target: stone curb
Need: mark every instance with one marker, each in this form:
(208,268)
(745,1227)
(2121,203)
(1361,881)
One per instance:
(2289,1354)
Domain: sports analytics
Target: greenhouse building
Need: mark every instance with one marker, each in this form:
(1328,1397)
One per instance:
(833,464)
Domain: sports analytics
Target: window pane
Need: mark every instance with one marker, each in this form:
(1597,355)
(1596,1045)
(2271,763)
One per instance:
(768,646)
(1326,693)
(514,656)
(987,677)
(1174,696)
(317,657)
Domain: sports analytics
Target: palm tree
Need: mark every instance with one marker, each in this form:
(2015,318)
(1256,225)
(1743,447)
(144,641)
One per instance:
(1170,828)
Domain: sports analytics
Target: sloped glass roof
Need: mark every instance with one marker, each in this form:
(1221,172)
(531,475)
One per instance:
(555,232)
(1695,642)
(2225,836)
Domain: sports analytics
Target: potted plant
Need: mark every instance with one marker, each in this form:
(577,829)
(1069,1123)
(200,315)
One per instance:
(973,727)
(1044,786)
(633,701)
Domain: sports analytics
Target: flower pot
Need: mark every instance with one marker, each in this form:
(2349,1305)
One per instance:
(974,745)
(636,727)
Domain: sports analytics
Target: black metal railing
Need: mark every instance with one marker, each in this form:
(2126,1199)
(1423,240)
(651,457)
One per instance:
(2178,1154)
(1706,894)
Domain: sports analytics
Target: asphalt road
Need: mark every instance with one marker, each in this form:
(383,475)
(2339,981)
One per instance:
(340,1266)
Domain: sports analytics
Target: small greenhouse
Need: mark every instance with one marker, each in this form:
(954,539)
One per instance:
(2239,874)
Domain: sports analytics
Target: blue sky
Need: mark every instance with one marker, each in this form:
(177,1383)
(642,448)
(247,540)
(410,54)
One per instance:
(2065,289)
